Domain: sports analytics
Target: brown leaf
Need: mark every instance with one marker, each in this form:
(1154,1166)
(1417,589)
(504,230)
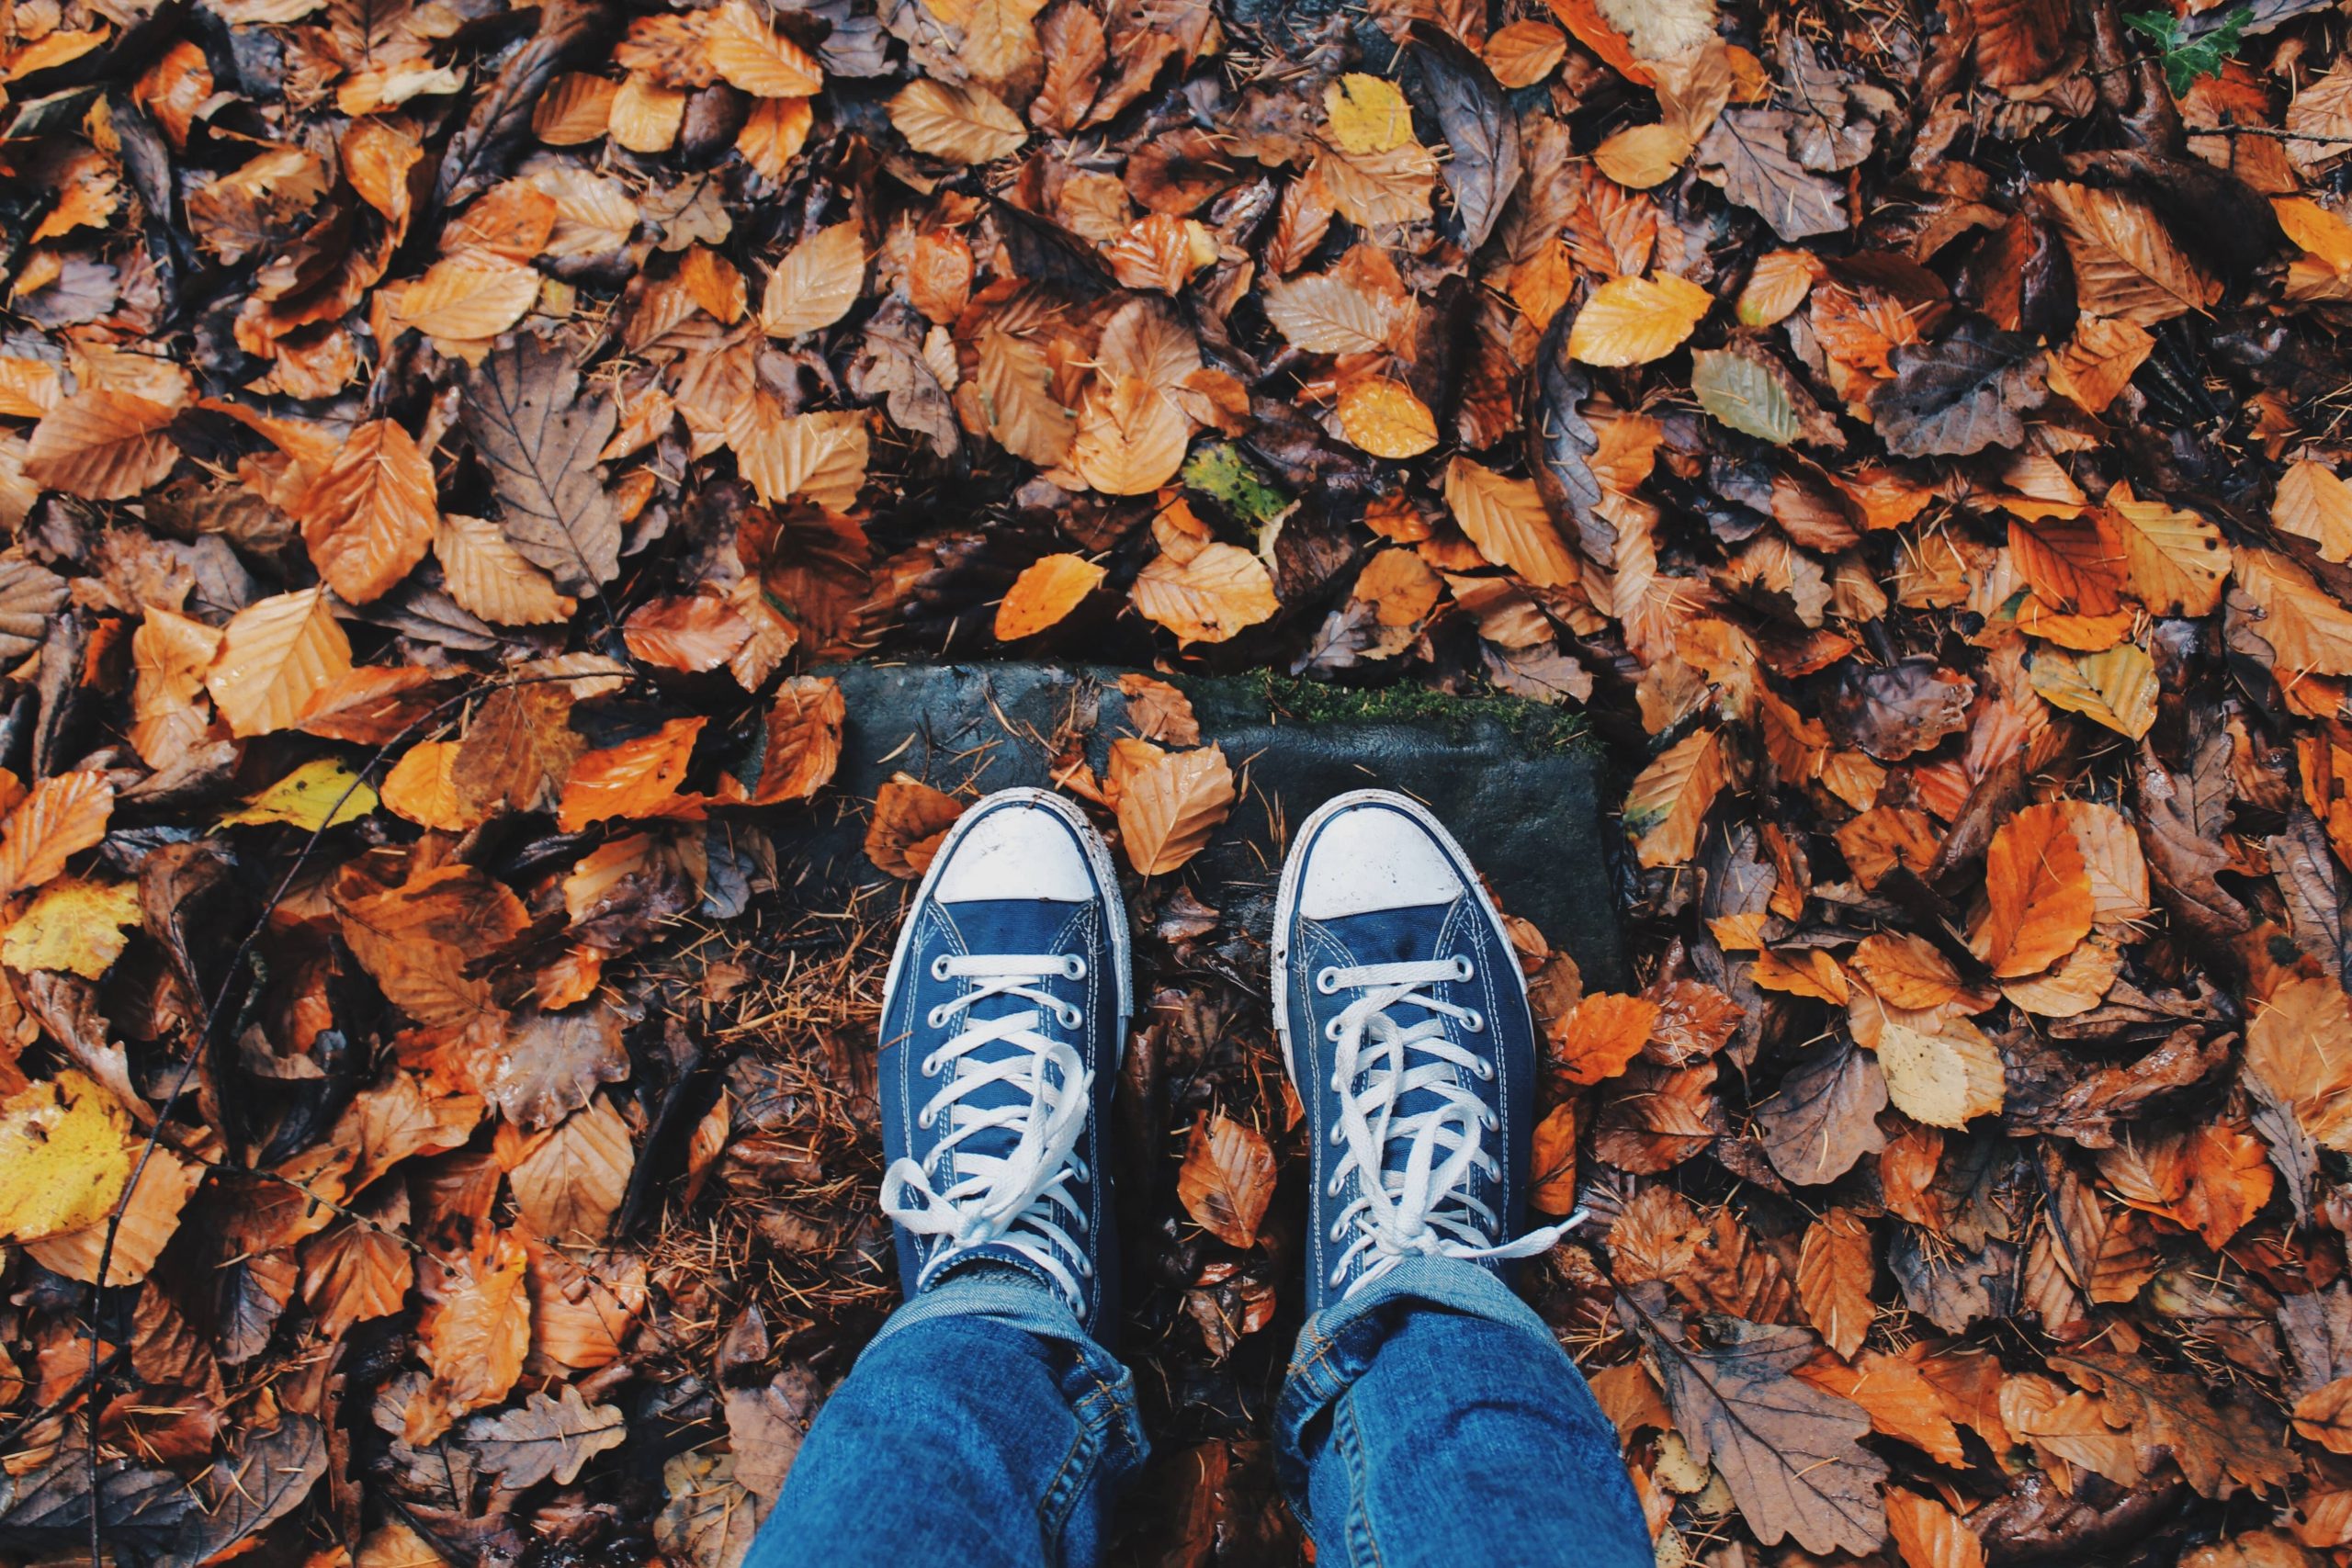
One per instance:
(102,445)
(1786,1450)
(58,817)
(1226,1180)
(909,820)
(1835,1273)
(1168,810)
(2038,892)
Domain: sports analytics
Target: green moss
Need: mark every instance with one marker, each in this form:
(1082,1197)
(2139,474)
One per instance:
(1220,472)
(1539,727)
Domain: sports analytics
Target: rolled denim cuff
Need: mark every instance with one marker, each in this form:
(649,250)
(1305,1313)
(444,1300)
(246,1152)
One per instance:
(1002,1292)
(1337,1345)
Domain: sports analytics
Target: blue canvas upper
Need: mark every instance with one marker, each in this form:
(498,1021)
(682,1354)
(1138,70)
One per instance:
(1406,1031)
(1002,1023)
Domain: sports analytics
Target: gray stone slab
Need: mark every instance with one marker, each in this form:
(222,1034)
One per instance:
(1514,780)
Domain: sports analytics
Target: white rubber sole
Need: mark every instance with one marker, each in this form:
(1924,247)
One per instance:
(1286,894)
(1098,859)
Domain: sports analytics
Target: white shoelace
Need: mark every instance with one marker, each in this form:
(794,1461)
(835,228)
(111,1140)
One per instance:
(1421,1209)
(1018,1201)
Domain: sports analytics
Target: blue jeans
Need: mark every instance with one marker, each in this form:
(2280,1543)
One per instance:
(1430,1418)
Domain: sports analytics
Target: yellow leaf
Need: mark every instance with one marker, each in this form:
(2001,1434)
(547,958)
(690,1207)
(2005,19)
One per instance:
(815,283)
(1210,595)
(961,125)
(1632,321)
(319,793)
(2117,688)
(754,57)
(1131,440)
(64,1158)
(423,788)
(2313,503)
(276,653)
(72,925)
(1506,519)
(1940,1068)
(1383,418)
(1367,113)
(2178,559)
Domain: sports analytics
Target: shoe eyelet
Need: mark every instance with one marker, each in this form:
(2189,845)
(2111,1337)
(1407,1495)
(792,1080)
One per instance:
(1072,1017)
(1074,968)
(923,1118)
(1338,1085)
(1327,980)
(1077,1173)
(1488,1119)
(936,1018)
(1085,1269)
(930,1068)
(1339,1234)
(1337,1137)
(1331,1031)
(1338,1275)
(1331,1188)
(1475,1021)
(1461,969)
(939,967)
(1484,1068)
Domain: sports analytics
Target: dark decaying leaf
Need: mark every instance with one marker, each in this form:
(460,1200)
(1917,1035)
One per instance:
(1826,1115)
(539,434)
(1787,1450)
(1748,155)
(1961,394)
(1479,128)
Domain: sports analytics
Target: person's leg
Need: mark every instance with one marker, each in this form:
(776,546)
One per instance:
(986,1424)
(1432,1418)
(980,1427)
(1429,1418)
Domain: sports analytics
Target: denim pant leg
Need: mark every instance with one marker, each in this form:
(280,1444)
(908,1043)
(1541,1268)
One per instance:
(980,1427)
(1430,1418)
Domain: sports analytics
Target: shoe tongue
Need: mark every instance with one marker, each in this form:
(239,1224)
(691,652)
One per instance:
(1010,926)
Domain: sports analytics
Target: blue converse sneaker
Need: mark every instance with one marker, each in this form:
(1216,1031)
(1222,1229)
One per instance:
(1002,1023)
(1405,1026)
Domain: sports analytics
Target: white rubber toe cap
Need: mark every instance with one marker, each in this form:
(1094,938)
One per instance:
(1372,857)
(1016,850)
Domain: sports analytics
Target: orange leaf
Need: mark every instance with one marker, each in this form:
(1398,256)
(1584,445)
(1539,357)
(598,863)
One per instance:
(1046,591)
(1552,1161)
(1168,809)
(909,820)
(2038,894)
(102,445)
(368,516)
(1595,31)
(804,740)
(1227,1179)
(1602,1036)
(63,816)
(1930,1535)
(636,778)
(1383,418)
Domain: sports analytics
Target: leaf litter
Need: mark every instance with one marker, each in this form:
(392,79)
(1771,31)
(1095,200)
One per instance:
(439,447)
